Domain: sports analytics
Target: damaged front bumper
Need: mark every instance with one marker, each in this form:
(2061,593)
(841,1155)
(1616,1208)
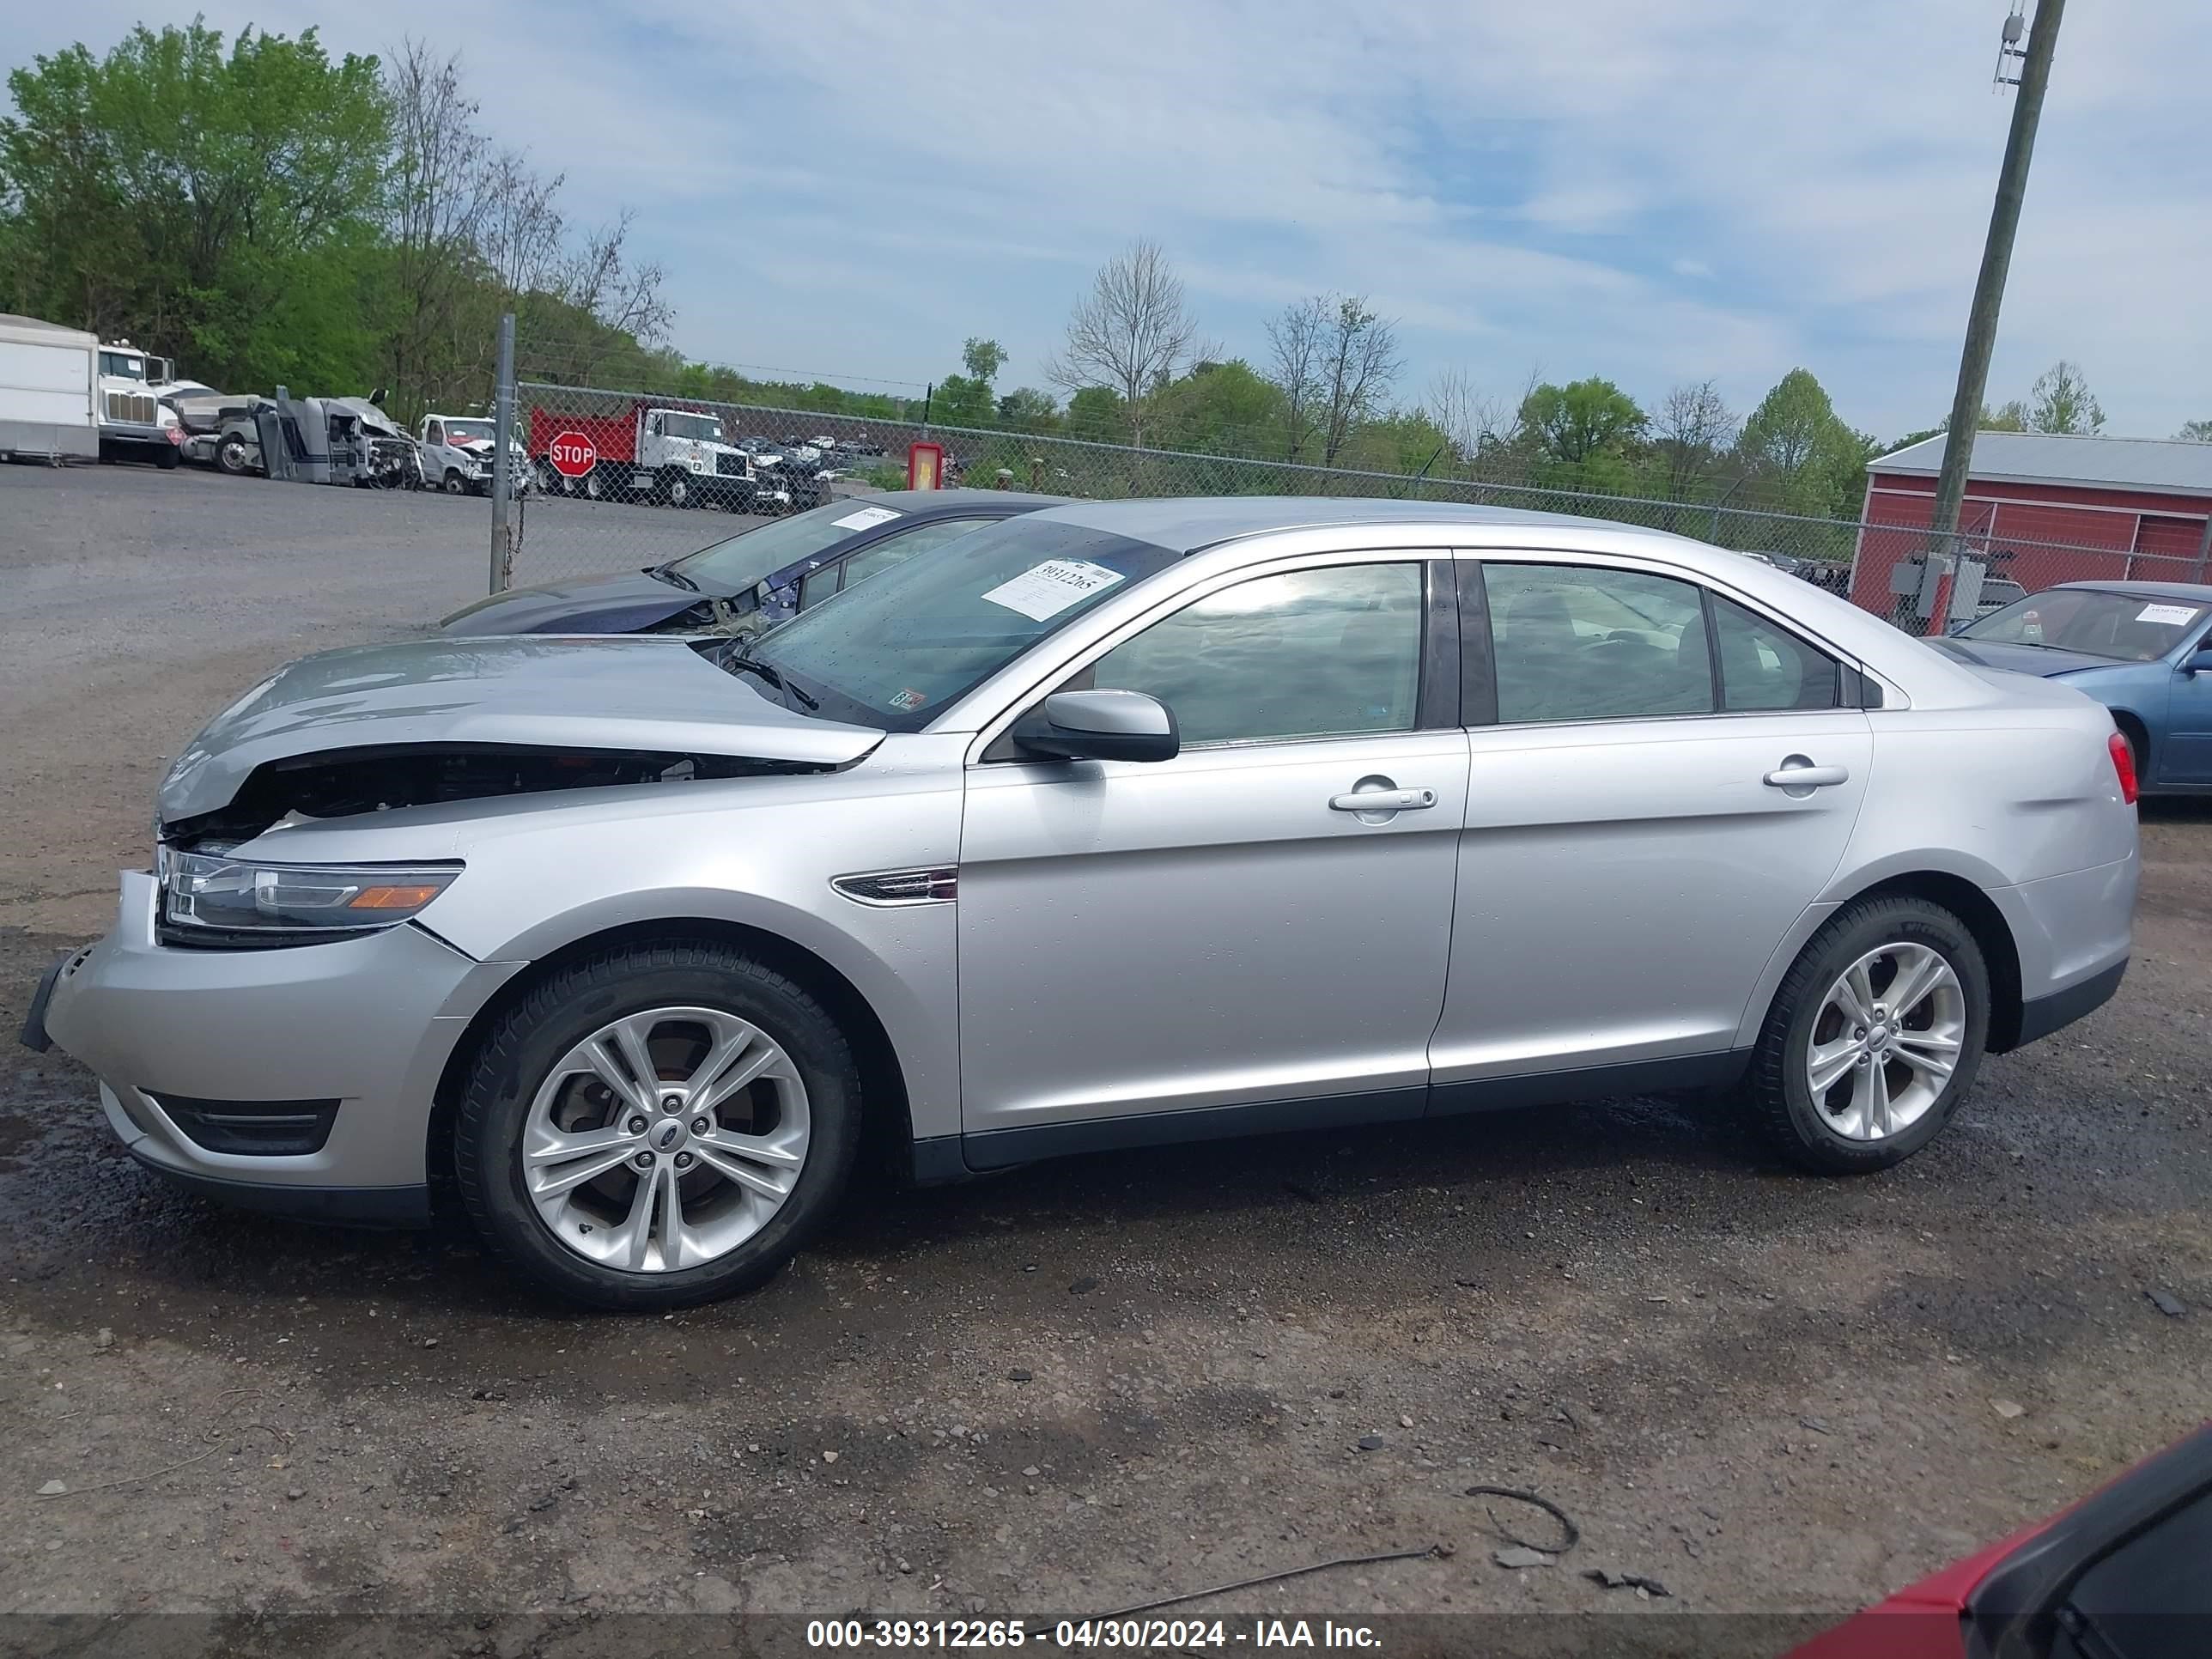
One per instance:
(329,1054)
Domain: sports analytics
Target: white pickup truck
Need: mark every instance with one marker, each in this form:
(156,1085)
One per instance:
(457,455)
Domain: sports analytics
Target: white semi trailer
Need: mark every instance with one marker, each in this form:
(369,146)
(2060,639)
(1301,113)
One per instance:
(49,392)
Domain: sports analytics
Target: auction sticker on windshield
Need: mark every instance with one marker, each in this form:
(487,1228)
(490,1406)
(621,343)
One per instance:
(1043,591)
(865,518)
(2180,616)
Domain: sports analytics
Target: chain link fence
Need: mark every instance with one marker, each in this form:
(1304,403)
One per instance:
(615,480)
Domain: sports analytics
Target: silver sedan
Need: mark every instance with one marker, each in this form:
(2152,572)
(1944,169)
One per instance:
(1119,824)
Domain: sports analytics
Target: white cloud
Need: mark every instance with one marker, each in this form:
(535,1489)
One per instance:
(1710,187)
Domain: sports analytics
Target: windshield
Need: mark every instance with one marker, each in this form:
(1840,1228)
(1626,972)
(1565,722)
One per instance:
(123,364)
(468,432)
(897,648)
(733,567)
(2125,627)
(701,428)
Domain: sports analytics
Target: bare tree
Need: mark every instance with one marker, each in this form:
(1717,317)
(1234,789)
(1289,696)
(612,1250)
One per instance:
(441,191)
(1360,364)
(1295,347)
(1129,334)
(1476,421)
(1334,361)
(601,282)
(1695,426)
(523,231)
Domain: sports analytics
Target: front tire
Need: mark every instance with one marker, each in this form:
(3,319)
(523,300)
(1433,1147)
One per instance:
(1874,1039)
(748,1102)
(455,484)
(230,457)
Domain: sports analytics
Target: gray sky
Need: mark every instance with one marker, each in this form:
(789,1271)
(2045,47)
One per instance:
(1653,192)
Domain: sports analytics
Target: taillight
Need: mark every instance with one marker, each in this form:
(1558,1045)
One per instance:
(2123,764)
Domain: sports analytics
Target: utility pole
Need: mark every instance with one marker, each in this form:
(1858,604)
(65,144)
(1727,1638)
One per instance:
(1996,261)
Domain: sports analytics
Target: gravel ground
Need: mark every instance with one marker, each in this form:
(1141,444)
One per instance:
(1070,1389)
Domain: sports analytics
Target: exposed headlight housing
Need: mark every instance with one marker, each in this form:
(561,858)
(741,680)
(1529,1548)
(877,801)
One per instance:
(211,899)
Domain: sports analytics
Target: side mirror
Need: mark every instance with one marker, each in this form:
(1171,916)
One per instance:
(1127,726)
(2198,661)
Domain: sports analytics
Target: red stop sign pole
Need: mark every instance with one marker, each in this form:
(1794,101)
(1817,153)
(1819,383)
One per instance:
(573,454)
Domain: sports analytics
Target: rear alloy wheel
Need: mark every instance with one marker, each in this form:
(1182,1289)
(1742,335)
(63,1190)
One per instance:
(594,487)
(658,1127)
(1874,1039)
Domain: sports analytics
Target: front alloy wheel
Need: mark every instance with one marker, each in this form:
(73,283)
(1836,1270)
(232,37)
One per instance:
(665,1139)
(657,1125)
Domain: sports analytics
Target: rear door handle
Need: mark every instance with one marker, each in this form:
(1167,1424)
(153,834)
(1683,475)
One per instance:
(1382,800)
(1797,773)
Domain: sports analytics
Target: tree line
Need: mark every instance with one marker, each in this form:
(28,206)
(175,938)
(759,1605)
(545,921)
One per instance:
(264,212)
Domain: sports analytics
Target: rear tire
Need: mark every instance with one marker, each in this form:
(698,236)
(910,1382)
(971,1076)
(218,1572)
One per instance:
(526,1087)
(1891,1093)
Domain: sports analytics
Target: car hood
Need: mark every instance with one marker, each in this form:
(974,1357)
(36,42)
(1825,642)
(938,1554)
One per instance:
(654,695)
(622,603)
(2039,661)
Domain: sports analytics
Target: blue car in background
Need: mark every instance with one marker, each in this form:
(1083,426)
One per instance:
(2138,648)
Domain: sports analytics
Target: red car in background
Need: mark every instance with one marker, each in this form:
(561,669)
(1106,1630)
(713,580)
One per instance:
(2124,1574)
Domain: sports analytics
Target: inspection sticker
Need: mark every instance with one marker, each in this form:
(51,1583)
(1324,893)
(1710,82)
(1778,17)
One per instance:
(1043,591)
(2179,615)
(865,518)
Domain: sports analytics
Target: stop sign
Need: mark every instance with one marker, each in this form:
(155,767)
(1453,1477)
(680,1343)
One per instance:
(573,454)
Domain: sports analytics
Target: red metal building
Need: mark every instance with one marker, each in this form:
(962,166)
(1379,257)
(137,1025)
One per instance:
(2043,508)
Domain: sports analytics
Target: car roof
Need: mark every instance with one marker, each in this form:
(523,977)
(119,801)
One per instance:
(1185,525)
(2194,592)
(951,503)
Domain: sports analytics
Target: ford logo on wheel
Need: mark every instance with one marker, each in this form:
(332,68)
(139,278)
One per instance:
(670,1132)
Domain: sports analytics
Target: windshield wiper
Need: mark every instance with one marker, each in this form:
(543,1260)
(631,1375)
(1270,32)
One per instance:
(669,573)
(738,661)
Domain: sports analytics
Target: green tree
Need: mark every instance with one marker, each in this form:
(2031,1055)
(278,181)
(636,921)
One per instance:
(1025,408)
(2196,432)
(1097,413)
(211,205)
(1218,409)
(962,400)
(2060,401)
(983,359)
(1583,434)
(1810,461)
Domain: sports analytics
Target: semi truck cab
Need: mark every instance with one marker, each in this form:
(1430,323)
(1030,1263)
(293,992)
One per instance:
(134,423)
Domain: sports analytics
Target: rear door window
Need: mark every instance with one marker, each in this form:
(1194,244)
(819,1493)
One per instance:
(1587,643)
(1765,666)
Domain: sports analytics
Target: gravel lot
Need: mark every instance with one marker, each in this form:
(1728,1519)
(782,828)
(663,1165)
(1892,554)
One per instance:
(1073,1388)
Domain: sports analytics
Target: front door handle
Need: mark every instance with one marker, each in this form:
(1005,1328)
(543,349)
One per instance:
(1377,799)
(1796,774)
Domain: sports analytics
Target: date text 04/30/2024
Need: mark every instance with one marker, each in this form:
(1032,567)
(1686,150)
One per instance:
(1170,1635)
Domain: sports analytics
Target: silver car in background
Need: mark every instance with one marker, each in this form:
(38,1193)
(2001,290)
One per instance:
(1117,824)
